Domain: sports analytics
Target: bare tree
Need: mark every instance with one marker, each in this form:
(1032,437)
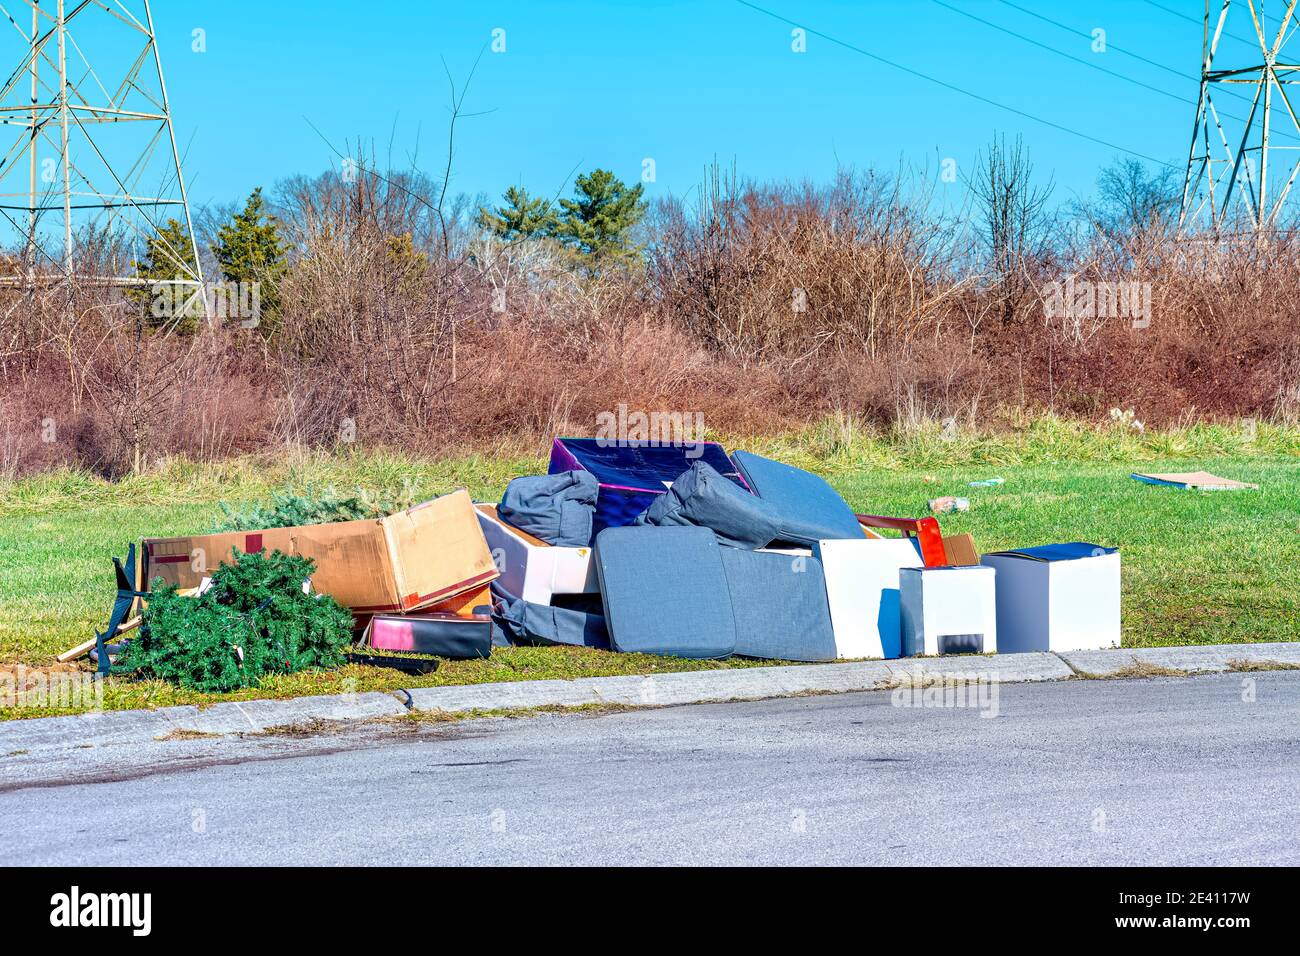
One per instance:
(1015,219)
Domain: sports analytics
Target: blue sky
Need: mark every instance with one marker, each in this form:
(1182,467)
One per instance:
(586,84)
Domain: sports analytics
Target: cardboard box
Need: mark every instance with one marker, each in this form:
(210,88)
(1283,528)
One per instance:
(463,604)
(532,569)
(413,559)
(948,610)
(1197,480)
(1057,598)
(862,579)
(959,550)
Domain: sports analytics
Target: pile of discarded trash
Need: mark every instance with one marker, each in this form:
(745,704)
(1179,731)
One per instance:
(672,550)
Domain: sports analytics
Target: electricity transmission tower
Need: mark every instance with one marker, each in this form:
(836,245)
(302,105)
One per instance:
(93,174)
(1232,169)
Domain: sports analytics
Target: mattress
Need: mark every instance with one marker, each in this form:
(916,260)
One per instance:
(811,510)
(633,474)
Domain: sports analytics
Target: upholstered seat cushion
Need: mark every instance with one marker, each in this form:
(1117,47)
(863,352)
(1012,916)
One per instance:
(633,473)
(665,591)
(556,508)
(779,602)
(810,509)
(701,497)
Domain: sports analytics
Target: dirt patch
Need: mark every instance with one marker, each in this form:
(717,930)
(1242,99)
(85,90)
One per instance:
(316,727)
(181,733)
(420,718)
(1244,665)
(1136,670)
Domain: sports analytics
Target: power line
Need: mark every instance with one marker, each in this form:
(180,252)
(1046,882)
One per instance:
(1117,49)
(956,89)
(1089,63)
(1068,56)
(1109,46)
(1199,21)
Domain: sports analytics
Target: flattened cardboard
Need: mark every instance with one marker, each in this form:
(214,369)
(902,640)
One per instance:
(413,559)
(1195,480)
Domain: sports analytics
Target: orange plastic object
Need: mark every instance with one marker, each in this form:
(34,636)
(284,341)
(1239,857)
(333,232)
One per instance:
(926,531)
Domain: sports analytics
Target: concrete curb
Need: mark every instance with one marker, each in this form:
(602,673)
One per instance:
(138,726)
(1204,659)
(142,726)
(750,684)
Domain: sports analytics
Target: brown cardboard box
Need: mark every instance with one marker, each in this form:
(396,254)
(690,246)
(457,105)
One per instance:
(959,549)
(463,604)
(413,559)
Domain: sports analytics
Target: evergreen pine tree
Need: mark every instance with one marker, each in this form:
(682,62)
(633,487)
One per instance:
(249,249)
(169,257)
(520,217)
(598,220)
(254,620)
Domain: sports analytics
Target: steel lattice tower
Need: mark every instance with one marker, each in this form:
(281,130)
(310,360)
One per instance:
(1226,168)
(95,155)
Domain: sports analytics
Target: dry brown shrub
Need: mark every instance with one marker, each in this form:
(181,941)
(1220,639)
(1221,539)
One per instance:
(767,307)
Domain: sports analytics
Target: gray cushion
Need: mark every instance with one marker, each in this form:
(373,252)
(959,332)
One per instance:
(811,510)
(556,508)
(702,497)
(780,607)
(522,622)
(665,592)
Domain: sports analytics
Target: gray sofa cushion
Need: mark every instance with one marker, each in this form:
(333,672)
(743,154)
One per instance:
(810,509)
(780,606)
(704,498)
(556,508)
(665,592)
(676,591)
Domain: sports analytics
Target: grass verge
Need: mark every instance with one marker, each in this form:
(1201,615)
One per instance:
(1198,567)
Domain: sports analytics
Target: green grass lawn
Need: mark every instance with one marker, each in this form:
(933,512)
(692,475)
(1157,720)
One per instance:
(1199,567)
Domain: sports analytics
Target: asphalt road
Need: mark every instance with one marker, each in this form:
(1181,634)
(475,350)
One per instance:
(1165,772)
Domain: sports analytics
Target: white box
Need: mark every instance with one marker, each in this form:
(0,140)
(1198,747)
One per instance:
(532,569)
(862,590)
(1057,598)
(950,610)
